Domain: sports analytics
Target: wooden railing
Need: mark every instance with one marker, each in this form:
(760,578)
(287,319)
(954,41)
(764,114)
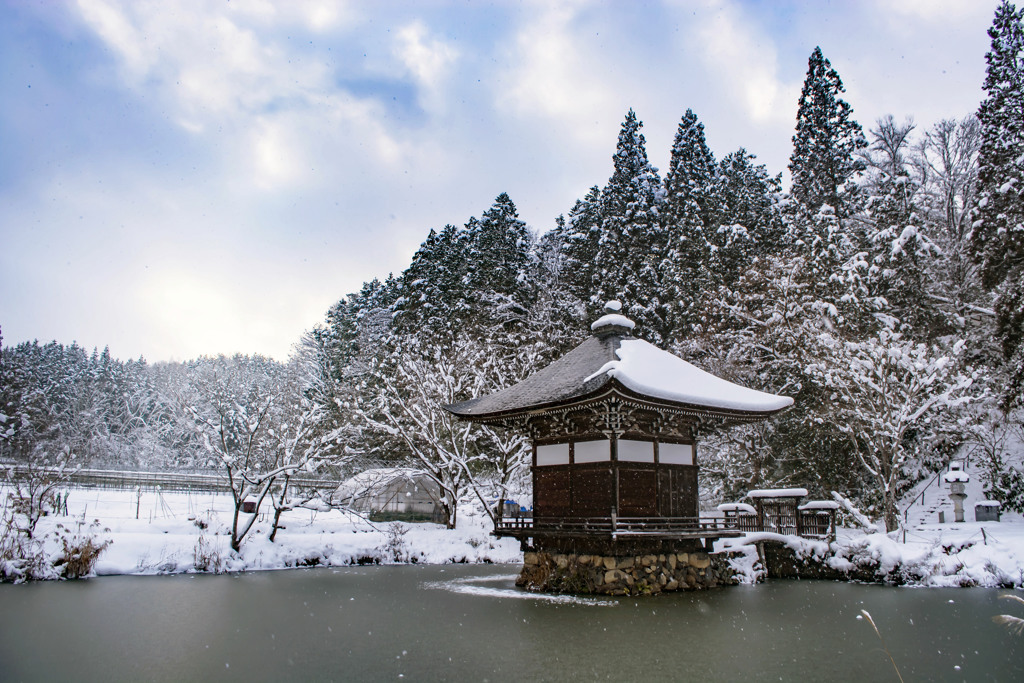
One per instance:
(613,524)
(808,524)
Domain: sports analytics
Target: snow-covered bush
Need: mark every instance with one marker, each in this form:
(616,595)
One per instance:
(25,558)
(78,552)
(207,558)
(394,549)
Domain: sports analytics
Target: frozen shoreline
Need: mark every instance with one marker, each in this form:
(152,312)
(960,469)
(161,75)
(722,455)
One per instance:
(160,533)
(167,538)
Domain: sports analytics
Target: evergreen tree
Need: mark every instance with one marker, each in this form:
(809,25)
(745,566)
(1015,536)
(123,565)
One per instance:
(631,253)
(433,287)
(692,214)
(579,239)
(692,186)
(998,228)
(497,255)
(893,276)
(824,162)
(751,224)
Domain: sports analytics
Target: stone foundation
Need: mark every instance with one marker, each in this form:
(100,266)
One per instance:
(623,575)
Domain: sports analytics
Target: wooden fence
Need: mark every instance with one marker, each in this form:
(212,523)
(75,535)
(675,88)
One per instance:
(165,481)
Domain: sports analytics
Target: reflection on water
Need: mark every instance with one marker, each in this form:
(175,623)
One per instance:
(471,623)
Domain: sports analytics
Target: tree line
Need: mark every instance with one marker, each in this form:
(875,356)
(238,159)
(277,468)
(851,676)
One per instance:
(883,291)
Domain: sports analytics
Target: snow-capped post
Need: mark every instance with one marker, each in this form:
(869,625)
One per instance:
(613,427)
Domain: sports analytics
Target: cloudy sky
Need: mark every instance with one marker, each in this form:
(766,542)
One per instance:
(203,177)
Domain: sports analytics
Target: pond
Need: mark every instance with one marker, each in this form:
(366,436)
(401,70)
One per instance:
(465,622)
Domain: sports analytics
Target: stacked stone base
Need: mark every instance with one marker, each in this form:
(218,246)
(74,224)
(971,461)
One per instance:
(623,575)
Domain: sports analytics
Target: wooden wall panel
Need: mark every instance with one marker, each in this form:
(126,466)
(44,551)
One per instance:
(551,491)
(592,492)
(638,491)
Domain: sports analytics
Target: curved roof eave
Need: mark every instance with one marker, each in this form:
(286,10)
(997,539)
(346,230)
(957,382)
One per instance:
(607,388)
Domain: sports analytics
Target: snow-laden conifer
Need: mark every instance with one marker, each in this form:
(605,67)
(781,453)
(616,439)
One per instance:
(998,225)
(824,162)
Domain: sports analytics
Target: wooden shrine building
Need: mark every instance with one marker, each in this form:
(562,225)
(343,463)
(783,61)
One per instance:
(614,426)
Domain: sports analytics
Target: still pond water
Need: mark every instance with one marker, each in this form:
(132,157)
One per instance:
(469,623)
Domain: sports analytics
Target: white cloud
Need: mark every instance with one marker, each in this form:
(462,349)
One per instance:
(744,62)
(114,27)
(428,59)
(933,11)
(555,74)
(316,15)
(224,70)
(201,60)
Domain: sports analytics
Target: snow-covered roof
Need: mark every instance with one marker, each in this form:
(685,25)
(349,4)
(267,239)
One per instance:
(819,505)
(956,475)
(737,507)
(988,504)
(648,370)
(368,481)
(777,493)
(612,356)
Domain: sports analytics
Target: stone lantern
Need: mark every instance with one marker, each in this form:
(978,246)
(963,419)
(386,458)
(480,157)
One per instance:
(957,479)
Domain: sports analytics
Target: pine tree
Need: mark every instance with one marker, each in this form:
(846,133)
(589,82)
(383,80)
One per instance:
(998,227)
(824,162)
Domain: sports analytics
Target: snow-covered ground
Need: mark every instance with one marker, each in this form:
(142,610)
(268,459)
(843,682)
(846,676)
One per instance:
(940,555)
(160,533)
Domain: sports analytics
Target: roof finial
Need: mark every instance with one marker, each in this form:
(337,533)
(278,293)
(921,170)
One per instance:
(612,322)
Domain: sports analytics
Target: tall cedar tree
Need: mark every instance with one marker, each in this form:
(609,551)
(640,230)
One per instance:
(691,217)
(578,240)
(998,228)
(432,288)
(629,264)
(827,140)
(751,225)
(498,256)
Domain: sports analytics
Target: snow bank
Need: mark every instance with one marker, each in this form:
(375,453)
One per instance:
(183,533)
(950,555)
